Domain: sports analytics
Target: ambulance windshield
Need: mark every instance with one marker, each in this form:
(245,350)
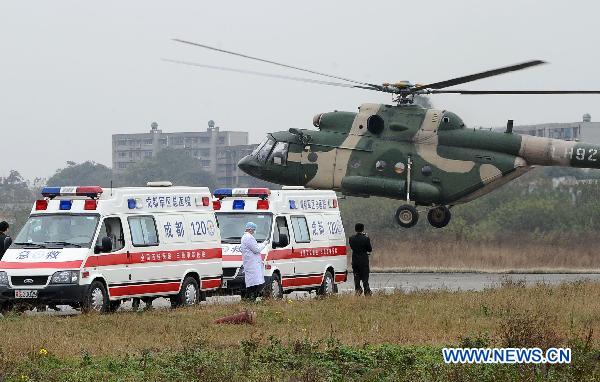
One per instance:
(232,226)
(58,231)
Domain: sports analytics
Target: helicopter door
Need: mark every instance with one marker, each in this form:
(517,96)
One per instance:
(318,163)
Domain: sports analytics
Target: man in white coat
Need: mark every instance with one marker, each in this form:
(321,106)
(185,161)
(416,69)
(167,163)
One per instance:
(252,261)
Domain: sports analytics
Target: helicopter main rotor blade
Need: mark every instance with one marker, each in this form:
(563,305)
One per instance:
(478,76)
(475,92)
(279,76)
(375,87)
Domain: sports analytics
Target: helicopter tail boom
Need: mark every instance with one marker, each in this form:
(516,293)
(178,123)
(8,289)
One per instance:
(555,152)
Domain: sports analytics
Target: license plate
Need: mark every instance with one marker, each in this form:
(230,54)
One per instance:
(224,284)
(26,293)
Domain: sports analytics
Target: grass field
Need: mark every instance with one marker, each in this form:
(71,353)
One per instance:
(385,337)
(507,255)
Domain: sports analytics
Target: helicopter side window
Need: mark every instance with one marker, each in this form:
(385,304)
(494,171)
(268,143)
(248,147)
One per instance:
(280,152)
(265,150)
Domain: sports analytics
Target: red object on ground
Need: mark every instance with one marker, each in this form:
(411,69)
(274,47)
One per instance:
(245,317)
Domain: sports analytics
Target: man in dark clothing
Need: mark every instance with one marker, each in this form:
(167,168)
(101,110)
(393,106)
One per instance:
(3,236)
(361,249)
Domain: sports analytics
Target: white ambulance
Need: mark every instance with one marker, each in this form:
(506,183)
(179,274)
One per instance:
(307,249)
(92,248)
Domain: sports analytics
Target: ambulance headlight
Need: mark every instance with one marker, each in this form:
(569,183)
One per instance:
(65,277)
(3,278)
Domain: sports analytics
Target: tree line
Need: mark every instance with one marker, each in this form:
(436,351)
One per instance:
(17,196)
(169,164)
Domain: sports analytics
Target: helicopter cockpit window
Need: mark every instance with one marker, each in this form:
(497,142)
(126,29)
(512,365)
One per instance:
(279,154)
(265,150)
(260,145)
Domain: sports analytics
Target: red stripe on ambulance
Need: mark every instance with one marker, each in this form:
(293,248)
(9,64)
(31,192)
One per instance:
(298,253)
(153,257)
(301,253)
(107,259)
(129,290)
(210,283)
(301,281)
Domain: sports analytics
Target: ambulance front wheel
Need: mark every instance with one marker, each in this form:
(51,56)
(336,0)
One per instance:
(188,295)
(96,298)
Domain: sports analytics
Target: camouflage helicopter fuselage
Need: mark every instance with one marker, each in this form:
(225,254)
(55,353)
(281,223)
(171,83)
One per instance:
(382,148)
(425,157)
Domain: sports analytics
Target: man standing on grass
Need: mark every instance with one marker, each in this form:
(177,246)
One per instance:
(253,263)
(361,249)
(3,237)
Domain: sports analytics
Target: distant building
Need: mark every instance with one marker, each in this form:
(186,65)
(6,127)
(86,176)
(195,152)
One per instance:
(585,130)
(217,151)
(228,174)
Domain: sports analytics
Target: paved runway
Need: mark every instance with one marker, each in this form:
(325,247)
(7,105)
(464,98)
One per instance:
(464,281)
(407,282)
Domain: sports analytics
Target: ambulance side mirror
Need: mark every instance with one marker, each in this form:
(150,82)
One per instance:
(106,245)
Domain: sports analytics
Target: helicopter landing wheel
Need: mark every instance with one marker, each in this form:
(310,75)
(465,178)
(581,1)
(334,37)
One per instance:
(407,216)
(439,217)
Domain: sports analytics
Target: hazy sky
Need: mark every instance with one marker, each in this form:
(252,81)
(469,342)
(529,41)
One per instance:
(73,73)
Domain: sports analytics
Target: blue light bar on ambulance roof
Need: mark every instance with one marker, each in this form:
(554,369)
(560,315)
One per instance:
(89,191)
(223,192)
(251,192)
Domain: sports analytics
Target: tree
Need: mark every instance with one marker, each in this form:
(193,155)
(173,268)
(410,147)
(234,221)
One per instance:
(14,189)
(169,165)
(14,178)
(84,174)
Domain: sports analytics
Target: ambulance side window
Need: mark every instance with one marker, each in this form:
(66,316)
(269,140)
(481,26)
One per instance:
(112,228)
(281,229)
(301,233)
(143,231)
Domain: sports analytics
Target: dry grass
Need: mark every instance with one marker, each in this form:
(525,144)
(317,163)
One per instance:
(497,256)
(436,318)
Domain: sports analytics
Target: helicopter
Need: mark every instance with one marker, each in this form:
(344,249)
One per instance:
(425,157)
